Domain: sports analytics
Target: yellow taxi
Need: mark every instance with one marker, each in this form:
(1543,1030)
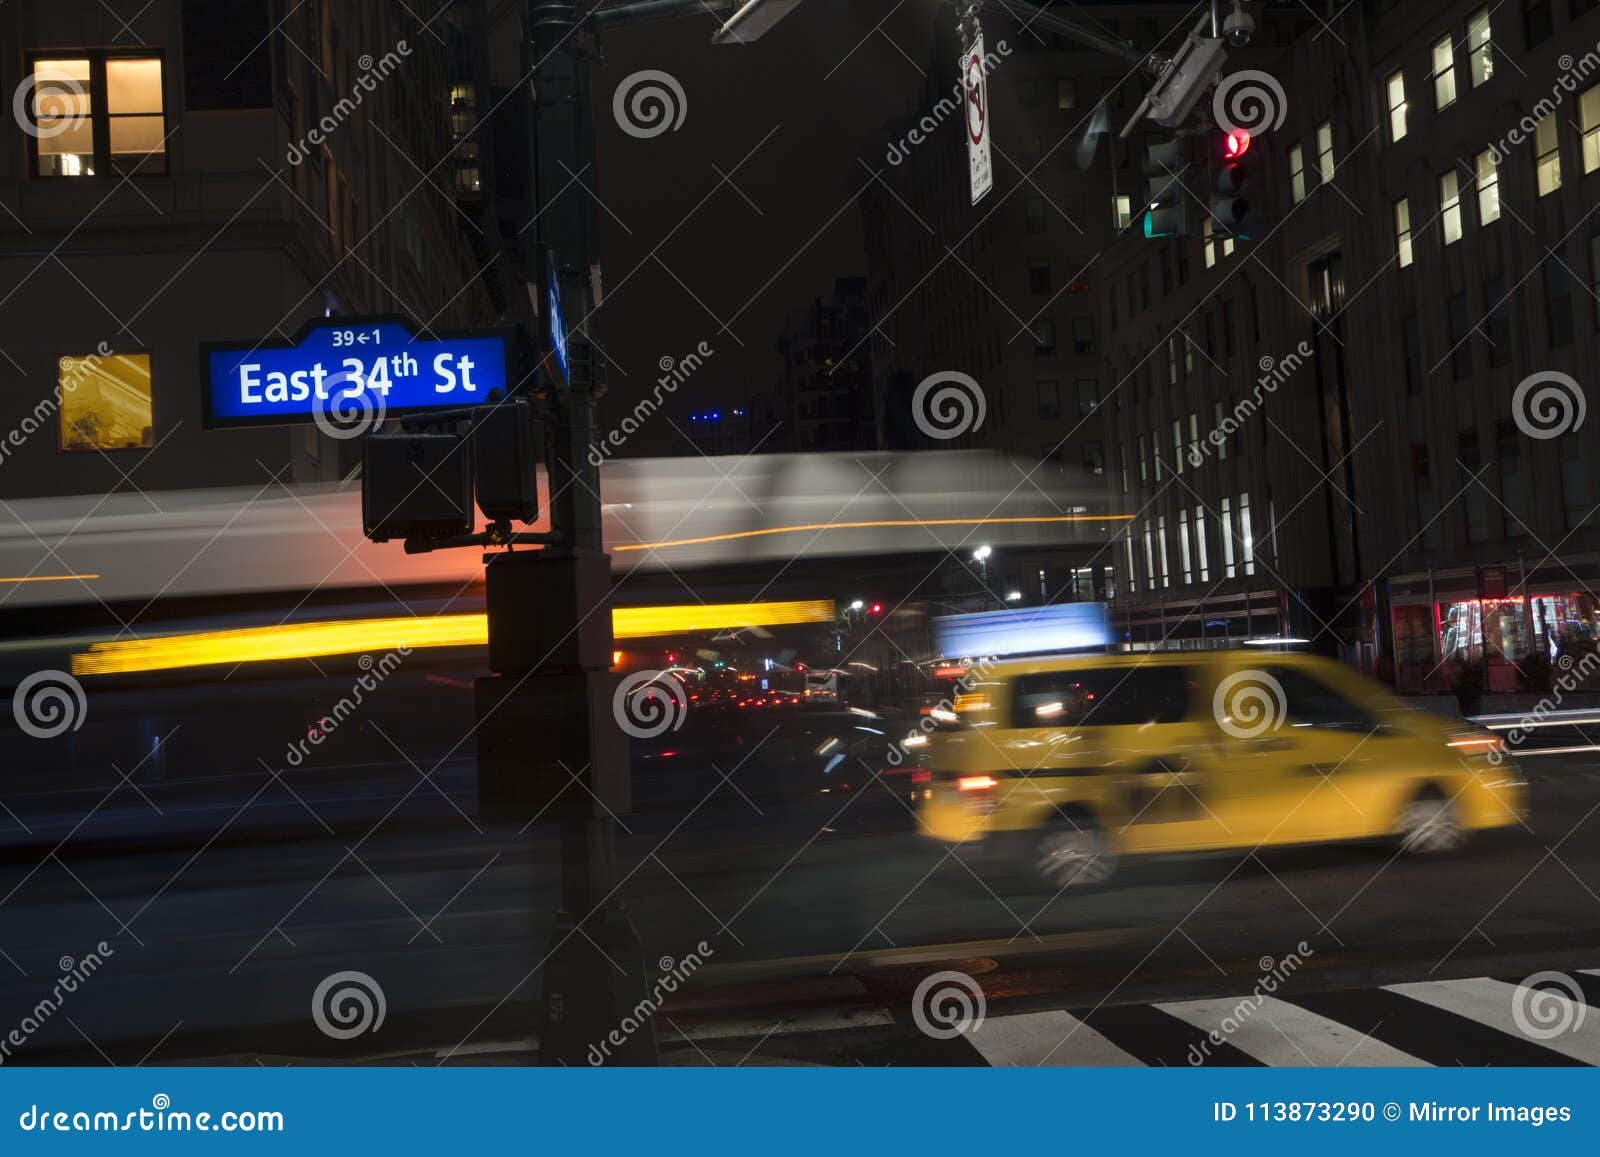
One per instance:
(1077,761)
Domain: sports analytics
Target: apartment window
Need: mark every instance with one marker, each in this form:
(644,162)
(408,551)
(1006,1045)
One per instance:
(1477,503)
(1226,518)
(1034,210)
(335,220)
(1172,360)
(1297,174)
(1144,474)
(1200,543)
(1513,477)
(1547,154)
(1067,92)
(1155,451)
(1450,206)
(1044,337)
(1161,540)
(1039,276)
(1594,276)
(1084,342)
(1444,74)
(1402,231)
(1177,444)
(1049,399)
(1185,559)
(97,113)
(1246,536)
(1488,174)
(1396,91)
(1589,125)
(1122,465)
(1427,504)
(1208,244)
(1325,151)
(1537,23)
(1480,56)
(1133,578)
(1194,437)
(1460,336)
(1574,482)
(1188,356)
(1122,211)
(226,57)
(1558,303)
(105,402)
(1496,321)
(1216,424)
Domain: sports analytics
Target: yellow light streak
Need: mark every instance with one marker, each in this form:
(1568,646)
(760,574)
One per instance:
(50,578)
(876,524)
(357,636)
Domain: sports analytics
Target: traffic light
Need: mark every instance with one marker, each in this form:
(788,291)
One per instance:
(1166,204)
(1230,206)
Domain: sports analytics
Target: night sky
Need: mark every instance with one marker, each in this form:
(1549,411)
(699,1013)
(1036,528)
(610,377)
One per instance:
(749,261)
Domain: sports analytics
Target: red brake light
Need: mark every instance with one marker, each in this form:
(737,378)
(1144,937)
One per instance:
(976,783)
(1238,143)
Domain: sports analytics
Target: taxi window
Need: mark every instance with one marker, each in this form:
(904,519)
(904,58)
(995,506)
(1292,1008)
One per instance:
(1311,703)
(1103,697)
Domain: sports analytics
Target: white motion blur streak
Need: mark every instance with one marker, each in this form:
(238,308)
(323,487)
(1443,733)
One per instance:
(682,513)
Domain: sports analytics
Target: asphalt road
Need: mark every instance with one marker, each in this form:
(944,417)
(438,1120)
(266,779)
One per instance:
(218,931)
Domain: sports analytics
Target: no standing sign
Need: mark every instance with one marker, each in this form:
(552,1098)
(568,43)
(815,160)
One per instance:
(976,84)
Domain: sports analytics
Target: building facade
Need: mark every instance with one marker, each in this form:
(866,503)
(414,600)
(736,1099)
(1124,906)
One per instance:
(1368,416)
(209,172)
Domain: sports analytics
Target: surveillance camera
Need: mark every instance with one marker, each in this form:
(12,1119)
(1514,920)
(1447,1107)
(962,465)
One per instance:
(1238,27)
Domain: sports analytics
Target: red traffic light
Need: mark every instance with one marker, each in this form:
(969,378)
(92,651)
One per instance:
(877,608)
(1238,143)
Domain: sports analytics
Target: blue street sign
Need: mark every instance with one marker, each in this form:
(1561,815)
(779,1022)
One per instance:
(341,365)
(558,323)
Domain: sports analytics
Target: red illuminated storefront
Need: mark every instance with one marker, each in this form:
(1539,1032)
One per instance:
(1492,620)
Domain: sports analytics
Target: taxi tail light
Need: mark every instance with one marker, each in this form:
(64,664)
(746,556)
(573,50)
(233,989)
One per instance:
(976,783)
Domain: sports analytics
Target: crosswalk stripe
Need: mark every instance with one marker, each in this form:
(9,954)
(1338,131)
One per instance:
(1285,1035)
(1055,1039)
(1492,1002)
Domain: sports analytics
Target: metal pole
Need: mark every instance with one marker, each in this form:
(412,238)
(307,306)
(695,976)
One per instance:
(549,610)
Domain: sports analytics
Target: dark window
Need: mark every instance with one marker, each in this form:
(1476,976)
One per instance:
(1537,23)
(1411,345)
(1497,321)
(1460,332)
(1311,703)
(1513,476)
(1558,303)
(1103,697)
(1083,336)
(227,57)
(1039,276)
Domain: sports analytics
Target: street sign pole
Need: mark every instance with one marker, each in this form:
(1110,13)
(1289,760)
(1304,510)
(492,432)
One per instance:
(545,716)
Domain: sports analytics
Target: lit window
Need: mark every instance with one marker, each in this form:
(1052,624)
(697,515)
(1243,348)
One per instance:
(1589,124)
(1067,93)
(1161,537)
(1397,106)
(1200,543)
(1226,518)
(1208,244)
(1402,231)
(1183,547)
(135,123)
(1227,246)
(1480,55)
(1450,206)
(1172,360)
(1297,174)
(1122,210)
(61,110)
(1488,174)
(1325,151)
(1444,74)
(1245,536)
(1144,475)
(1222,439)
(105,402)
(1547,155)
(1177,444)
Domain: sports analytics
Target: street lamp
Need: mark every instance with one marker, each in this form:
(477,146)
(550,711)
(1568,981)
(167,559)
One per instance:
(981,553)
(753,20)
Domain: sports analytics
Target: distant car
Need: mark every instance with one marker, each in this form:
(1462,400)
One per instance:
(1076,762)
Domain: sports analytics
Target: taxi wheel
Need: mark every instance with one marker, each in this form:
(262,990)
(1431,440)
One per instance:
(1431,825)
(1074,852)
